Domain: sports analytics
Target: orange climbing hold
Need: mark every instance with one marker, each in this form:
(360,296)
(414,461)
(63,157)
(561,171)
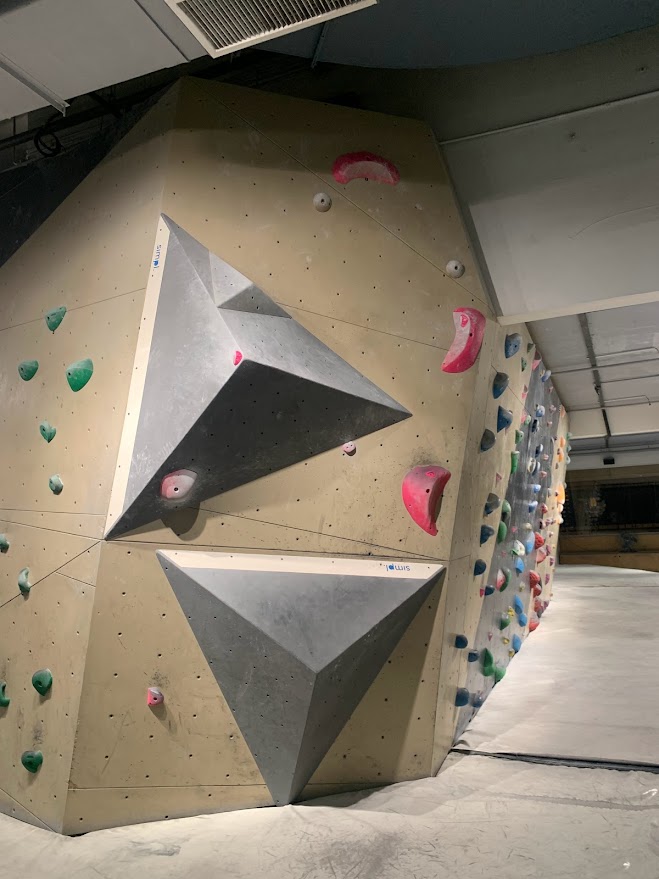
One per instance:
(422,490)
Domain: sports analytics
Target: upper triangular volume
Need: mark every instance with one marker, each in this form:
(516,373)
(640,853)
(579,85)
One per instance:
(293,687)
(233,389)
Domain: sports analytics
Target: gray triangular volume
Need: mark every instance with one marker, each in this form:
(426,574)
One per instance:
(293,688)
(234,389)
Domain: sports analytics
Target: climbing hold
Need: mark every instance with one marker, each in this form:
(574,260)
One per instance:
(322,202)
(560,493)
(79,373)
(541,555)
(538,449)
(480,566)
(518,548)
(527,526)
(24,581)
(489,590)
(461,641)
(486,532)
(472,656)
(534,579)
(526,418)
(504,418)
(512,344)
(536,591)
(529,347)
(47,431)
(519,436)
(547,576)
(502,532)
(177,484)
(544,508)
(533,624)
(505,509)
(469,326)
(154,696)
(525,392)
(537,360)
(42,681)
(461,697)
(539,411)
(503,578)
(364,165)
(506,640)
(499,673)
(4,543)
(477,700)
(4,699)
(539,540)
(545,375)
(522,619)
(422,491)
(349,448)
(519,565)
(32,760)
(487,661)
(55,484)
(54,317)
(237,357)
(532,506)
(524,363)
(517,643)
(487,440)
(514,461)
(518,605)
(534,425)
(493,501)
(504,621)
(454,268)
(529,542)
(530,466)
(536,487)
(27,369)
(499,384)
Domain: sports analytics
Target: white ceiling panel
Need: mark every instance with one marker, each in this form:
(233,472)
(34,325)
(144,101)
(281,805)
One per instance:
(633,419)
(585,424)
(16,98)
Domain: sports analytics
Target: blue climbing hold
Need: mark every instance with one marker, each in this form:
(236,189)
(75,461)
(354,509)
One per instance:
(536,487)
(545,375)
(529,543)
(487,440)
(486,532)
(504,418)
(522,619)
(473,656)
(519,564)
(491,504)
(461,641)
(480,566)
(499,384)
(532,506)
(539,411)
(518,604)
(477,700)
(512,344)
(489,590)
(461,697)
(516,643)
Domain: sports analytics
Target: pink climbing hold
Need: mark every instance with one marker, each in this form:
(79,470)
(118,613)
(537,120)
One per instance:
(498,477)
(469,330)
(237,357)
(534,579)
(534,622)
(365,165)
(537,360)
(547,578)
(154,696)
(541,555)
(422,490)
(539,540)
(349,448)
(482,592)
(177,485)
(544,508)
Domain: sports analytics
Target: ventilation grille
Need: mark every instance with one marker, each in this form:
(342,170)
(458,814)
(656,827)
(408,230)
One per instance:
(224,26)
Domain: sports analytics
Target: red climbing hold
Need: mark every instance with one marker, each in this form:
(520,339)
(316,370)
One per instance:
(422,490)
(369,166)
(533,624)
(541,555)
(544,508)
(539,540)
(534,578)
(469,331)
(237,357)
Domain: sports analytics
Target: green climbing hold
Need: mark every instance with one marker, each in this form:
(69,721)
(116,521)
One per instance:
(54,317)
(487,661)
(504,621)
(529,347)
(4,543)
(519,436)
(24,581)
(506,578)
(47,431)
(502,532)
(42,681)
(55,484)
(4,699)
(79,373)
(27,369)
(514,461)
(32,760)
(505,509)
(499,673)
(524,363)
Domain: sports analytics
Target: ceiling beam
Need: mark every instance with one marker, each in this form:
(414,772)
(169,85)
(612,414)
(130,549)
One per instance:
(578,308)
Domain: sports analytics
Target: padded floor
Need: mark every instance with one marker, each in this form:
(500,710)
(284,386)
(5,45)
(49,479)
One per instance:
(586,683)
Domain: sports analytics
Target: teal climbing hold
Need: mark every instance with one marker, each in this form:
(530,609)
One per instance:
(519,565)
(518,605)
(489,590)
(491,504)
(504,418)
(461,697)
(514,461)
(499,384)
(524,363)
(54,317)
(487,440)
(499,673)
(42,681)
(32,760)
(487,661)
(27,369)
(24,581)
(519,436)
(502,532)
(516,643)
(79,373)
(461,641)
(512,344)
(4,543)
(486,532)
(480,566)
(47,431)
(4,699)
(55,484)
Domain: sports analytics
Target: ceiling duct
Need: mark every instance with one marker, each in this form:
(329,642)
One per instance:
(224,26)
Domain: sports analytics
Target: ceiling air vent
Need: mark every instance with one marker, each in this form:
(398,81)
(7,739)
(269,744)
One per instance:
(224,26)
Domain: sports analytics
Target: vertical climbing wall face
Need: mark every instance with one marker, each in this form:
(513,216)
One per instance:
(72,293)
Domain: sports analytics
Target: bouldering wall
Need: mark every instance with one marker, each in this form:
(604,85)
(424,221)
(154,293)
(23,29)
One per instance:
(309,316)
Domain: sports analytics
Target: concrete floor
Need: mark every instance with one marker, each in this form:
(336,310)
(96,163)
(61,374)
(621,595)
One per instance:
(483,816)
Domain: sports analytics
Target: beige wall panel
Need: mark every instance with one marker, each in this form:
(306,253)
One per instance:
(11,807)
(140,638)
(85,566)
(42,551)
(251,203)
(88,422)
(420,209)
(84,524)
(97,244)
(50,630)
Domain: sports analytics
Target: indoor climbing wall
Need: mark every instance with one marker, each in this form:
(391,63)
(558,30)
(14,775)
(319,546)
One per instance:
(253,458)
